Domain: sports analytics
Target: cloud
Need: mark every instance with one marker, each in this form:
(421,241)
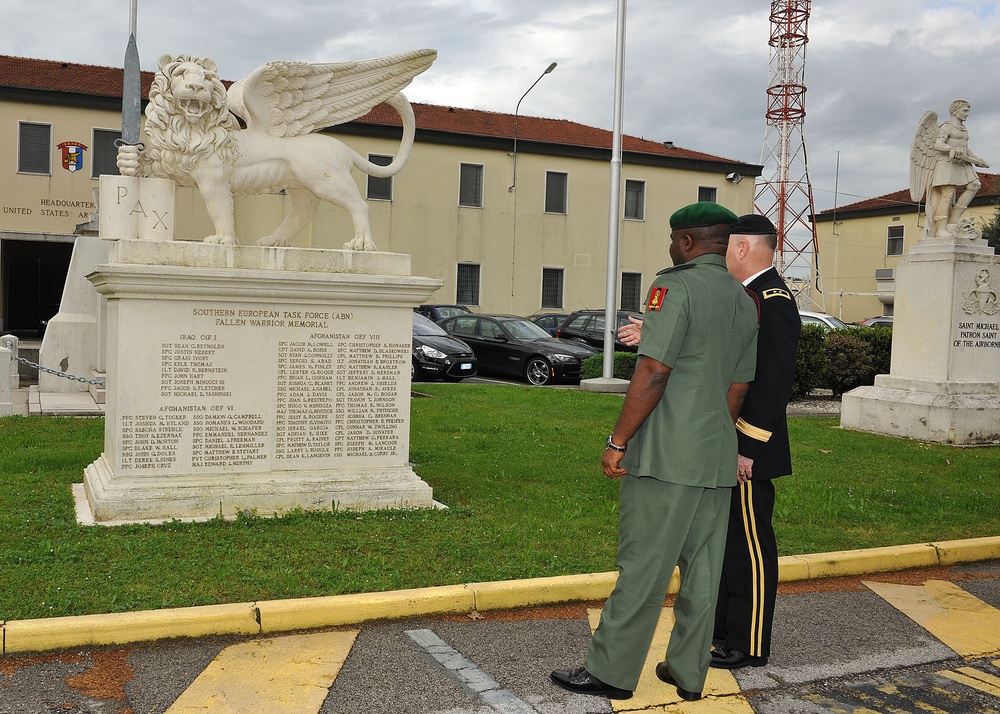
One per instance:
(696,73)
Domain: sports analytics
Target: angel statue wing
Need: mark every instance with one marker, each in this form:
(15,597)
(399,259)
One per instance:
(293,98)
(923,157)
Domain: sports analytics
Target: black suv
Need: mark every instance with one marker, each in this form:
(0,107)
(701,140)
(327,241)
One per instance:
(435,313)
(588,326)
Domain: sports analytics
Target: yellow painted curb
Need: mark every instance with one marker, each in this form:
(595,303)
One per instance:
(119,628)
(966,551)
(21,636)
(310,612)
(542,591)
(872,560)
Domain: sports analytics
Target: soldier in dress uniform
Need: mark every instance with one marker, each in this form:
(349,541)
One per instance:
(749,582)
(674,449)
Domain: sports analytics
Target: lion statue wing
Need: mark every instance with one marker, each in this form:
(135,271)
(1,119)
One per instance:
(923,157)
(294,98)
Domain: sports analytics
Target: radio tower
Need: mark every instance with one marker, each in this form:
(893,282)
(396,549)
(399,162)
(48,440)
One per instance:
(786,198)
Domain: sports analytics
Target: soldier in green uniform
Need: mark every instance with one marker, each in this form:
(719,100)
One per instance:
(674,449)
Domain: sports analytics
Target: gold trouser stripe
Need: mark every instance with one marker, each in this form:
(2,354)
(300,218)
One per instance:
(754,432)
(757,570)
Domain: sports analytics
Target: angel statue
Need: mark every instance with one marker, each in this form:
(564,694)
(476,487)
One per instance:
(194,138)
(941,165)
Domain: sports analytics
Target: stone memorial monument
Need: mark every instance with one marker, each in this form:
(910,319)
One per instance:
(944,380)
(262,378)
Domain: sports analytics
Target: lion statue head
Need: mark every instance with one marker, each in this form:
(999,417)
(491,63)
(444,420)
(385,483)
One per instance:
(186,118)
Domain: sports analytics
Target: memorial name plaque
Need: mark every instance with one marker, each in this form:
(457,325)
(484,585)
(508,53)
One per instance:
(250,388)
(262,388)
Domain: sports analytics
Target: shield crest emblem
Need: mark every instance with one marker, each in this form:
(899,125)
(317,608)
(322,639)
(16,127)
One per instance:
(72,155)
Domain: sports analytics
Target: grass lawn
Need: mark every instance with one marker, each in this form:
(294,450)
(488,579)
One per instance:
(518,468)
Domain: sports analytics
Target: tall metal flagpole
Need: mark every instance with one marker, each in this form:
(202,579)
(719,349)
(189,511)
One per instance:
(131,87)
(614,220)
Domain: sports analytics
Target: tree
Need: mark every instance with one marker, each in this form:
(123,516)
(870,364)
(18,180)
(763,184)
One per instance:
(991,229)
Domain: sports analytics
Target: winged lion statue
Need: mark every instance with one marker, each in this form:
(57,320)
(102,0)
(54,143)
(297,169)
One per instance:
(193,136)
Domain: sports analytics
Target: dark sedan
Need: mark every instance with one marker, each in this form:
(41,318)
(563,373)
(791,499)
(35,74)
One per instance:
(588,326)
(435,354)
(506,344)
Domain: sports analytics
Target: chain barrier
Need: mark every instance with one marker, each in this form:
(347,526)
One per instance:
(56,372)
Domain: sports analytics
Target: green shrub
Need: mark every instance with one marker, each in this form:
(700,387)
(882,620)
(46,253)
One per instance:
(848,361)
(593,367)
(879,341)
(809,360)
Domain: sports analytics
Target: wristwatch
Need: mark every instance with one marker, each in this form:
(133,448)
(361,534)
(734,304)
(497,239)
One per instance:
(614,447)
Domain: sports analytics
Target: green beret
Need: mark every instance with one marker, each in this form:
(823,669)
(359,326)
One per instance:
(703,213)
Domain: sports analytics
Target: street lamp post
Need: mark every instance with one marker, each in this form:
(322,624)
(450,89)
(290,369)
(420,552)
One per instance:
(513,185)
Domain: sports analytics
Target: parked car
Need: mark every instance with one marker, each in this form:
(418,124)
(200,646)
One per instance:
(877,321)
(435,313)
(588,326)
(549,321)
(435,354)
(822,319)
(507,344)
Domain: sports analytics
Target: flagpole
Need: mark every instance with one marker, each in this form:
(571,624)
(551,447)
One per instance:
(614,220)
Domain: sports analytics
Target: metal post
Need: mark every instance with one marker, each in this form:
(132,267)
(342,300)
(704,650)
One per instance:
(614,219)
(513,186)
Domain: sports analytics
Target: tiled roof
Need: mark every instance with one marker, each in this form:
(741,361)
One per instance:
(990,188)
(71,78)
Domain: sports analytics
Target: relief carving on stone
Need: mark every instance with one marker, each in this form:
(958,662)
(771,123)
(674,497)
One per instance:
(981,298)
(194,138)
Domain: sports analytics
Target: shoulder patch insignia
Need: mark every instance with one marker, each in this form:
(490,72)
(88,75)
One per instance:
(656,296)
(775,292)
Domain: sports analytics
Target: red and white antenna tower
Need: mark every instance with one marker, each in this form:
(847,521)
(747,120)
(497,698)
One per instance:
(786,198)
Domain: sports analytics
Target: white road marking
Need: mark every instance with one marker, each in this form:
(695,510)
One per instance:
(465,670)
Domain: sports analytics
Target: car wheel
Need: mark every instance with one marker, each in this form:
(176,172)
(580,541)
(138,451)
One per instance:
(537,371)
(414,372)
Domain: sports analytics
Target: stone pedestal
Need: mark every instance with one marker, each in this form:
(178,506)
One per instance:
(246,378)
(72,337)
(944,382)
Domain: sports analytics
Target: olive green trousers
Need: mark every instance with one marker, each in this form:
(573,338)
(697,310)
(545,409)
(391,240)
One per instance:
(662,525)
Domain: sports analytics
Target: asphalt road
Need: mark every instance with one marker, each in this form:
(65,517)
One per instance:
(838,647)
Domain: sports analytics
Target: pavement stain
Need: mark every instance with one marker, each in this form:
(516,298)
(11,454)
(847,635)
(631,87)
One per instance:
(10,665)
(107,677)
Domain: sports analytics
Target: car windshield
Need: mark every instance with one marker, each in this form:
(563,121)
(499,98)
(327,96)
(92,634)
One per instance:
(525,330)
(425,328)
(837,324)
(452,310)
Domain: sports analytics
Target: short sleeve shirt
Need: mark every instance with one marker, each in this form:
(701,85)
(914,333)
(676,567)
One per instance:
(701,323)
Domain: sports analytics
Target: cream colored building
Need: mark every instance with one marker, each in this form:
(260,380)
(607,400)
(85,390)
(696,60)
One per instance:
(523,244)
(861,244)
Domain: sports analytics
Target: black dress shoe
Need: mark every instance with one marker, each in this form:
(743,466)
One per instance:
(581,681)
(726,657)
(663,674)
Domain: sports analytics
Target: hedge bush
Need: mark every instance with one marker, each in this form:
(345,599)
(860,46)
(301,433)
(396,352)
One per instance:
(593,367)
(838,360)
(810,360)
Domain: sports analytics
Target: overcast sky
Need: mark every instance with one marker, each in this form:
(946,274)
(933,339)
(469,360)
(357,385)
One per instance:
(696,72)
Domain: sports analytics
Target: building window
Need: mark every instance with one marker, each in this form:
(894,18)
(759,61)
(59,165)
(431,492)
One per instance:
(631,291)
(470,186)
(467,291)
(555,192)
(34,148)
(635,200)
(708,193)
(894,241)
(380,189)
(104,158)
(552,288)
